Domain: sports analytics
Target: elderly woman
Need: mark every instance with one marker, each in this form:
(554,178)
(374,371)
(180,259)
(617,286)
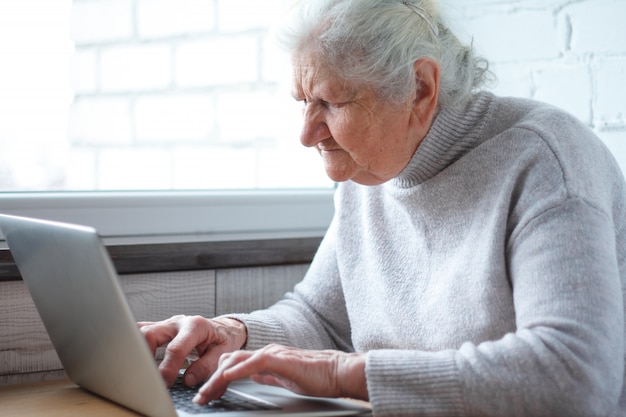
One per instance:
(475,264)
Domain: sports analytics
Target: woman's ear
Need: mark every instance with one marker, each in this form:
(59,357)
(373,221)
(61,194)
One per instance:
(427,91)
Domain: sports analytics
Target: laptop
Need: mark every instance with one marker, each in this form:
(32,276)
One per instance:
(75,288)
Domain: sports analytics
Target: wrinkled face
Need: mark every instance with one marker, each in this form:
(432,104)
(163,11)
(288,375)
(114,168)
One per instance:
(359,136)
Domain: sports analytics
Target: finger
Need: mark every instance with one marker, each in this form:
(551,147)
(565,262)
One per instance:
(176,352)
(157,335)
(195,334)
(272,359)
(274,380)
(239,365)
(242,364)
(222,336)
(301,371)
(215,387)
(199,370)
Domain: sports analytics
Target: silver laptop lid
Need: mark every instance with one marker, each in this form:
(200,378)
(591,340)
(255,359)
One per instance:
(75,289)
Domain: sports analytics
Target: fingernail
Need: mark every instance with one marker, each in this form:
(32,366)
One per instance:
(191,380)
(197,399)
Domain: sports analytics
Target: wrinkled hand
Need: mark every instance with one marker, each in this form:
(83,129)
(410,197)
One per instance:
(210,338)
(325,373)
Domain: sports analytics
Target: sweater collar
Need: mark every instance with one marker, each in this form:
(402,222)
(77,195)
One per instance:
(454,132)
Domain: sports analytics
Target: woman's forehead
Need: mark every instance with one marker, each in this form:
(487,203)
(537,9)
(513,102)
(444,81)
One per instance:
(312,77)
(307,68)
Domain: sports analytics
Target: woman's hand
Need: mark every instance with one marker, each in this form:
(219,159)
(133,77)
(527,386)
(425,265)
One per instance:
(326,373)
(210,338)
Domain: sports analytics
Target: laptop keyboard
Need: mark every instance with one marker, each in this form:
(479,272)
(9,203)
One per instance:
(182,396)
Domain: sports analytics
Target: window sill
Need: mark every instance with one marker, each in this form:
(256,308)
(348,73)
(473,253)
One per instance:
(134,255)
(186,230)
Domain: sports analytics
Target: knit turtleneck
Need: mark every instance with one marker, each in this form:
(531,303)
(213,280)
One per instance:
(486,279)
(453,133)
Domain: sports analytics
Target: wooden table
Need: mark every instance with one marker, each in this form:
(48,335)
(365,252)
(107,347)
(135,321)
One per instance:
(56,399)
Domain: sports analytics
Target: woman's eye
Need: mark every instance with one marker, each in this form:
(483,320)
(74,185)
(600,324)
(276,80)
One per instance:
(332,104)
(337,105)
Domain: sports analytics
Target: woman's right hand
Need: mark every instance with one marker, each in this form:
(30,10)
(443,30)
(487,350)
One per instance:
(181,335)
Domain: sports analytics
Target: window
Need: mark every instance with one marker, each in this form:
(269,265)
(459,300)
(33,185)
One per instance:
(148,95)
(153,117)
(189,99)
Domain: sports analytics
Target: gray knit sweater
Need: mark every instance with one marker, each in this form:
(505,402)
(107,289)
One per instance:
(487,279)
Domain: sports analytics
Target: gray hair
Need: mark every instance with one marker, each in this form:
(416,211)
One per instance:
(376,42)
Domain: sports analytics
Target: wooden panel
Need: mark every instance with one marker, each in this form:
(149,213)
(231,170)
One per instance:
(19,379)
(24,344)
(26,353)
(242,290)
(161,295)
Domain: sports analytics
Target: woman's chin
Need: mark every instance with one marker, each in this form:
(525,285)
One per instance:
(338,177)
(338,172)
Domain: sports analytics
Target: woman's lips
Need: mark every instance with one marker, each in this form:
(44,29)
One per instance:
(327,147)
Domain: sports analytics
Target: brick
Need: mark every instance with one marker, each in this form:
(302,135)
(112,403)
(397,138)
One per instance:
(215,167)
(217,61)
(163,18)
(275,64)
(80,172)
(597,26)
(174,118)
(513,79)
(243,117)
(615,140)
(567,87)
(136,68)
(610,106)
(25,167)
(516,36)
(303,165)
(485,7)
(97,21)
(243,15)
(84,71)
(100,120)
(134,169)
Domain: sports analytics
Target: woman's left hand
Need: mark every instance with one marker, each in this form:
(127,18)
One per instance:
(320,373)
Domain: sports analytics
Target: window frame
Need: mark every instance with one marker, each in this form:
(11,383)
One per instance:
(179,214)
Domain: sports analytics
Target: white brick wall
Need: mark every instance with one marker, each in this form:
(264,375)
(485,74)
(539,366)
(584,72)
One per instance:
(610,88)
(100,120)
(174,118)
(183,17)
(190,93)
(568,53)
(135,67)
(597,27)
(217,61)
(506,36)
(183,94)
(244,15)
(96,21)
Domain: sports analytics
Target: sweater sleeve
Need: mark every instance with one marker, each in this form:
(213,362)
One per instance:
(312,316)
(566,356)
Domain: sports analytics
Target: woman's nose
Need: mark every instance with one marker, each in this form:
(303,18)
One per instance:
(314,128)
